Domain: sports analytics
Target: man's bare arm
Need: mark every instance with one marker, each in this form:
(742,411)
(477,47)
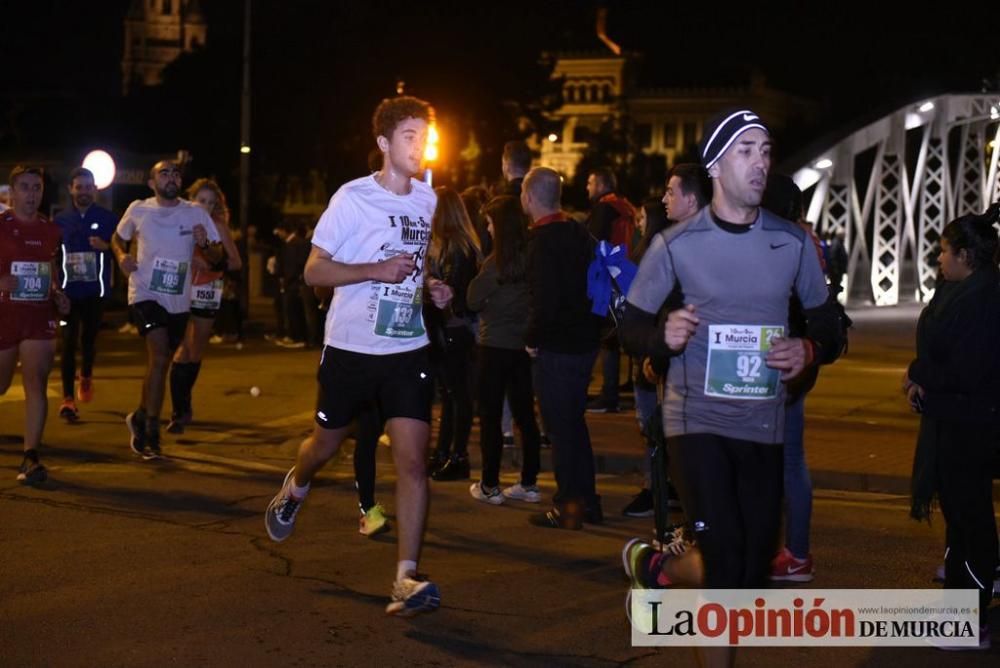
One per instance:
(323,271)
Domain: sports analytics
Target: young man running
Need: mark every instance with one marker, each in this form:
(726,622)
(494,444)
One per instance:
(167,229)
(29,300)
(370,244)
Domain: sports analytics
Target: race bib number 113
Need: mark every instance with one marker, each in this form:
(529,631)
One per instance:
(736,366)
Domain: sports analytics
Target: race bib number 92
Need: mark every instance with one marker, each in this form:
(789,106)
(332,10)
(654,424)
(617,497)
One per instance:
(736,366)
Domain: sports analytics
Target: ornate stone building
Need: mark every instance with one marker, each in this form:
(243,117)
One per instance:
(156,33)
(601,85)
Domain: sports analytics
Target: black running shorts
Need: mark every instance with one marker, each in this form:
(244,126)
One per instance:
(399,385)
(149,315)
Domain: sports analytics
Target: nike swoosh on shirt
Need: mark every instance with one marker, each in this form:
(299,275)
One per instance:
(774,246)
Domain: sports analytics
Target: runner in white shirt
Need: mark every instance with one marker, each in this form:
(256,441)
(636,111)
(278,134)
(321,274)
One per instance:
(166,230)
(370,244)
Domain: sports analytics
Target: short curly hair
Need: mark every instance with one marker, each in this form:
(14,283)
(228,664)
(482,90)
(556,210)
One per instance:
(393,111)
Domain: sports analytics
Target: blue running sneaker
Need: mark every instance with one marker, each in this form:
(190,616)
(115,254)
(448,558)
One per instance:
(413,595)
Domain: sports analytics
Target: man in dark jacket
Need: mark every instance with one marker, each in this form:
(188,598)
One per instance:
(562,336)
(86,242)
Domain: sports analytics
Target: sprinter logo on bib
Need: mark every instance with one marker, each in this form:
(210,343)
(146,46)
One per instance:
(736,367)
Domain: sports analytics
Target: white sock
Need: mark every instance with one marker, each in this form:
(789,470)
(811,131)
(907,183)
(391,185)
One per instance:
(298,492)
(404,568)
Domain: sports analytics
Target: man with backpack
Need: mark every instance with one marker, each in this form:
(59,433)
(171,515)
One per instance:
(612,219)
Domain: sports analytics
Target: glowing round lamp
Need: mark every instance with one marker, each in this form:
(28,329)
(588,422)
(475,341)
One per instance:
(103,167)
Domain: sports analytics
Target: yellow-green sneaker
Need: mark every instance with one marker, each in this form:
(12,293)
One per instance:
(373,521)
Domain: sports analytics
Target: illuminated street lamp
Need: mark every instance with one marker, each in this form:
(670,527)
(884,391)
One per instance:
(102,166)
(431,152)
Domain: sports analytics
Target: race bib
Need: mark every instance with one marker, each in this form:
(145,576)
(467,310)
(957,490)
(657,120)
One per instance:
(81,267)
(399,312)
(207,296)
(168,276)
(33,281)
(735,368)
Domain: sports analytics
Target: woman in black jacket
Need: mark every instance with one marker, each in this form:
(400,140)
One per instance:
(952,382)
(500,294)
(454,257)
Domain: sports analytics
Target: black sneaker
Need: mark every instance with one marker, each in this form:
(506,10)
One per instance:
(545,441)
(68,412)
(640,506)
(436,463)
(456,468)
(508,441)
(153,446)
(593,513)
(600,406)
(137,433)
(31,472)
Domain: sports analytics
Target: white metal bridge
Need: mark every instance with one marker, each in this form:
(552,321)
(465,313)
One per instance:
(891,186)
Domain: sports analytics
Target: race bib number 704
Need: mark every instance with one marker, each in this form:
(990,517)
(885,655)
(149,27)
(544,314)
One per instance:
(736,366)
(33,281)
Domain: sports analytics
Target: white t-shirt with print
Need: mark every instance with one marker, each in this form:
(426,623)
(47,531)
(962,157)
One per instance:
(365,223)
(165,237)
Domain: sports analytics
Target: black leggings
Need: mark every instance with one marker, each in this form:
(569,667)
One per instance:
(370,427)
(456,399)
(731,492)
(82,323)
(966,492)
(500,371)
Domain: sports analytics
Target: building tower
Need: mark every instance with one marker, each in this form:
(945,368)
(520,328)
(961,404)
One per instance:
(156,33)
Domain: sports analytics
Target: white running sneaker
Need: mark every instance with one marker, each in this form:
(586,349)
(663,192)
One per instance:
(528,493)
(491,495)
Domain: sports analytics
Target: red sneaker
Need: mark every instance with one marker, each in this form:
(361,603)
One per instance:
(786,567)
(85,392)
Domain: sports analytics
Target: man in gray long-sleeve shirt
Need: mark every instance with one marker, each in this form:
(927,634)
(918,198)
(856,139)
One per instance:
(736,266)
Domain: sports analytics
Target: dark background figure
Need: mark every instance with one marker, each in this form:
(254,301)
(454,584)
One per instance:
(652,220)
(794,562)
(281,326)
(454,257)
(836,260)
(229,324)
(611,219)
(952,383)
(291,263)
(514,164)
(475,198)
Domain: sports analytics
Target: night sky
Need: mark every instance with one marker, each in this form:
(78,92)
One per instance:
(321,66)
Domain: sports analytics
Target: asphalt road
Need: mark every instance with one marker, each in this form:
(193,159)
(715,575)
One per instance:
(119,562)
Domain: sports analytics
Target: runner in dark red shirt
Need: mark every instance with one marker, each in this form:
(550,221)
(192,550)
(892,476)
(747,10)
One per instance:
(30,301)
